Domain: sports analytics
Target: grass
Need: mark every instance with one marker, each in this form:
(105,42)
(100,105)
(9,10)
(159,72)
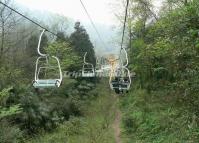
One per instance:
(156,118)
(94,127)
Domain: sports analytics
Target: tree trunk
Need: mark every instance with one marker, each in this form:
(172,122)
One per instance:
(2,43)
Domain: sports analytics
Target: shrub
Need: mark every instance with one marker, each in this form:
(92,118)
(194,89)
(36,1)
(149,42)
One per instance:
(10,134)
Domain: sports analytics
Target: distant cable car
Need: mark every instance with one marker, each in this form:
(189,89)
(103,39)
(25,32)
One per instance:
(87,69)
(122,81)
(120,78)
(44,58)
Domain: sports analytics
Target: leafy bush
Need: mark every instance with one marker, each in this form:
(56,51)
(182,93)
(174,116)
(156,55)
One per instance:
(5,109)
(46,112)
(9,133)
(157,117)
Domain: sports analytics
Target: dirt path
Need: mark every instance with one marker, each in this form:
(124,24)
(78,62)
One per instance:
(116,127)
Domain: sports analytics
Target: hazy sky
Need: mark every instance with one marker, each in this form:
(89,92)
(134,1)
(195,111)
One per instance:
(99,10)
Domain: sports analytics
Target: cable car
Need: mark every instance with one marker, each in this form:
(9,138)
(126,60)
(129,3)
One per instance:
(120,77)
(87,69)
(122,81)
(40,81)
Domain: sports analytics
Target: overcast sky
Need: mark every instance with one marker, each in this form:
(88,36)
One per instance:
(99,10)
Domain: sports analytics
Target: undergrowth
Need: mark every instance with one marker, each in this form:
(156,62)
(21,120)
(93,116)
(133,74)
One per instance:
(157,118)
(95,126)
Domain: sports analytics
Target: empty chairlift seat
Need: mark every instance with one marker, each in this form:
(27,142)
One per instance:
(43,64)
(49,82)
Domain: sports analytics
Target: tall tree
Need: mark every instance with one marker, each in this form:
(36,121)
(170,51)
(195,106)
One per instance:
(81,42)
(8,20)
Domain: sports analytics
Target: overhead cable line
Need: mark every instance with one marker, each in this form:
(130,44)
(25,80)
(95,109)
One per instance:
(28,18)
(93,24)
(124,28)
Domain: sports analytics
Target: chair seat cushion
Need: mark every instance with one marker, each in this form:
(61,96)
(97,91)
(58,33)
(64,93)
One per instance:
(122,85)
(91,74)
(46,83)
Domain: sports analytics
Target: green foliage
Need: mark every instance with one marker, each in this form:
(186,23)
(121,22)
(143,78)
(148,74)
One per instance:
(69,59)
(10,76)
(24,110)
(167,53)
(10,134)
(49,110)
(31,51)
(4,93)
(81,42)
(157,117)
(163,106)
(7,111)
(93,127)
(32,46)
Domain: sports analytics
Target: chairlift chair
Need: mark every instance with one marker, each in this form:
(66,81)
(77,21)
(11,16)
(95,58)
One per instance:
(121,80)
(49,82)
(87,69)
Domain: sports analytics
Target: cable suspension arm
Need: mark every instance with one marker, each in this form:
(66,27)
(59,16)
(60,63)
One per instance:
(123,33)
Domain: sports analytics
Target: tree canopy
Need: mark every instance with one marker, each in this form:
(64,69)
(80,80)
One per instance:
(82,44)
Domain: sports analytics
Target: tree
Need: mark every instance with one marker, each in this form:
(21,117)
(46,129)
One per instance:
(81,42)
(31,52)
(170,5)
(61,37)
(59,23)
(141,12)
(4,111)
(69,60)
(8,21)
(32,44)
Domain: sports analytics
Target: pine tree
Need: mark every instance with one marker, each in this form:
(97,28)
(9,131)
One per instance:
(81,43)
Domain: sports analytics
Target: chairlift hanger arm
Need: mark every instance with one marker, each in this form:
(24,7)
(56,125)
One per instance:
(124,28)
(126,56)
(85,58)
(39,44)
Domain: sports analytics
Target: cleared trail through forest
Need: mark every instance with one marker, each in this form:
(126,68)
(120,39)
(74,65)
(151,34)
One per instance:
(116,126)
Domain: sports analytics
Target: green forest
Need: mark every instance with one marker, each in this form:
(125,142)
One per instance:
(161,106)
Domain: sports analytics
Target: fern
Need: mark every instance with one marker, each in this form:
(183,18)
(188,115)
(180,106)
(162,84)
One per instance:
(7,111)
